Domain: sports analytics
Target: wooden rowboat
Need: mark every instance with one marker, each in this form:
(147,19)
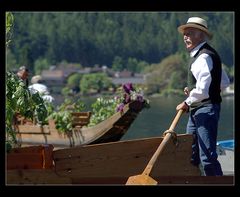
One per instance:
(109,130)
(112,163)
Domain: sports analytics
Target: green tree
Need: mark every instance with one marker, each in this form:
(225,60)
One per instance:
(11,63)
(73,81)
(98,37)
(40,64)
(117,64)
(94,82)
(9,27)
(132,64)
(169,74)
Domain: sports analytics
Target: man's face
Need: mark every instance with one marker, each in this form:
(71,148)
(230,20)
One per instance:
(24,74)
(192,37)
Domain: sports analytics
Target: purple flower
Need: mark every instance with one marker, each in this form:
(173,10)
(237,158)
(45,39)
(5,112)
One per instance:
(128,87)
(120,107)
(127,98)
(140,98)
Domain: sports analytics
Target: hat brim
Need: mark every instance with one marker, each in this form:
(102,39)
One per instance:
(183,27)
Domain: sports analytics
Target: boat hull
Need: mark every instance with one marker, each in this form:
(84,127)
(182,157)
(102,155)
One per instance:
(110,130)
(50,177)
(114,162)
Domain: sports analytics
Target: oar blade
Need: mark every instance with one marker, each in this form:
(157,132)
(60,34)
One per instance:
(141,179)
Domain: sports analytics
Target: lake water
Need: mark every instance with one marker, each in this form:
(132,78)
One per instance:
(154,121)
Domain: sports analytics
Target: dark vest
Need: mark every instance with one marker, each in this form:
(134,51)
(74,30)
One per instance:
(216,73)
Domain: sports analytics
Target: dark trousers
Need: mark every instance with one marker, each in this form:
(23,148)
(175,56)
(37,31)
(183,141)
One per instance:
(203,124)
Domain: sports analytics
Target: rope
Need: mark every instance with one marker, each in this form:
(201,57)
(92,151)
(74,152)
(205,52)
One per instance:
(173,135)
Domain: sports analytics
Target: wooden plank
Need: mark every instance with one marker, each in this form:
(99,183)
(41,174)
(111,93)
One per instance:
(30,149)
(80,118)
(80,122)
(33,157)
(33,129)
(48,156)
(196,180)
(40,176)
(21,120)
(176,156)
(24,161)
(162,180)
(81,114)
(126,158)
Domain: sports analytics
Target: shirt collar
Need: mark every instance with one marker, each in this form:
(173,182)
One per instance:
(195,50)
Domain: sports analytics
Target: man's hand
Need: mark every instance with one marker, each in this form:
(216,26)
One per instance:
(186,91)
(182,106)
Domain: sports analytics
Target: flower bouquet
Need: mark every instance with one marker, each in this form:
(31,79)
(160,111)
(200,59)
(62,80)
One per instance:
(106,107)
(134,95)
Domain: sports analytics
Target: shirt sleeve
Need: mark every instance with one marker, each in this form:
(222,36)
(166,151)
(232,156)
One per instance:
(201,70)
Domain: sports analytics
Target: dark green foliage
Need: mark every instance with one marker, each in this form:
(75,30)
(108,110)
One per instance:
(63,116)
(94,82)
(169,74)
(121,40)
(91,38)
(73,81)
(40,64)
(20,100)
(9,27)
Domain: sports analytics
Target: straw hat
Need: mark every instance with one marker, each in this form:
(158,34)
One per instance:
(196,22)
(36,79)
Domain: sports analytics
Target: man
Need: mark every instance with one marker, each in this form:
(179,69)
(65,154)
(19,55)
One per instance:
(38,86)
(23,73)
(206,78)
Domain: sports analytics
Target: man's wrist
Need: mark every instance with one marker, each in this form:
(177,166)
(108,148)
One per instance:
(188,102)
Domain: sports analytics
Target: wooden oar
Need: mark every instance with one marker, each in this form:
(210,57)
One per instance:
(144,178)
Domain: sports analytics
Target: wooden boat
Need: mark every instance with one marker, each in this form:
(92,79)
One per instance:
(225,149)
(112,163)
(109,130)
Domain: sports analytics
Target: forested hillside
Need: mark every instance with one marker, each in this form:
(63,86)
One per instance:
(90,38)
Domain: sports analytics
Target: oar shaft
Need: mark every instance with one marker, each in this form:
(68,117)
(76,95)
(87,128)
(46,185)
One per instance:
(176,119)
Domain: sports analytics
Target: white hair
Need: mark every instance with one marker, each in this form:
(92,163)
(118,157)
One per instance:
(202,34)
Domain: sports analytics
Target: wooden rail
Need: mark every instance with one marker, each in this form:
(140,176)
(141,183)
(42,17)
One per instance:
(24,125)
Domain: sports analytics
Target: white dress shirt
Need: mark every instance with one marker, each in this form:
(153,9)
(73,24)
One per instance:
(41,88)
(201,69)
(43,91)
